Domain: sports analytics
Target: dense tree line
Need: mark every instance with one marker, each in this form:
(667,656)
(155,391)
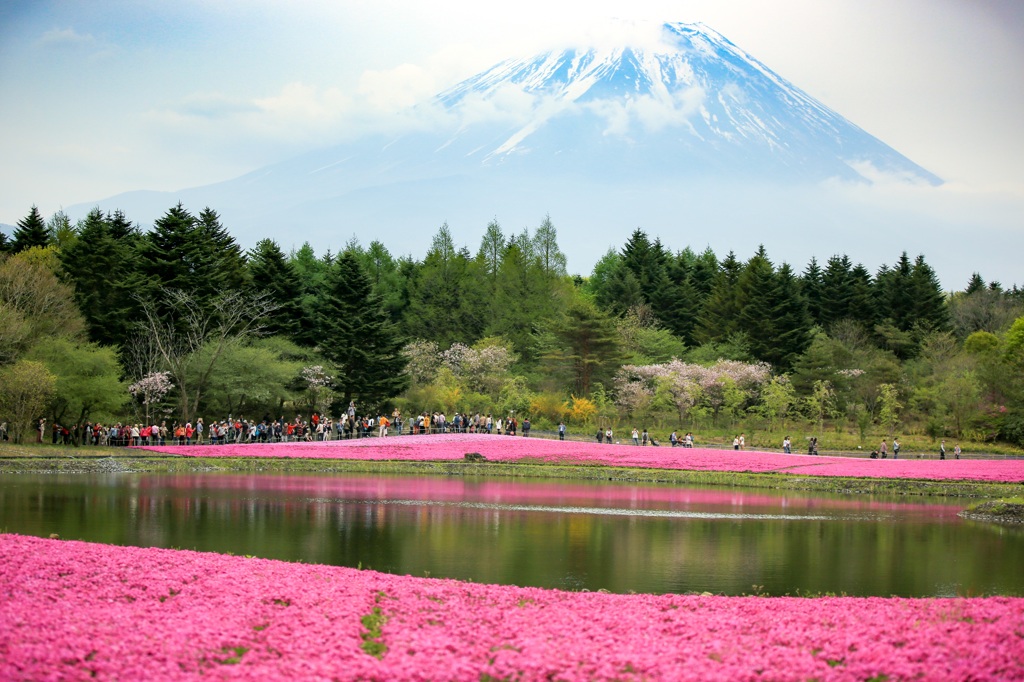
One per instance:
(502,328)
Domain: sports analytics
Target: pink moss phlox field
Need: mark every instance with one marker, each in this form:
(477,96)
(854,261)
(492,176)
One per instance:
(509,449)
(74,610)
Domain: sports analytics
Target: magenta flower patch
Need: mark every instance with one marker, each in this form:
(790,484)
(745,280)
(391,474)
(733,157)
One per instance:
(74,610)
(509,449)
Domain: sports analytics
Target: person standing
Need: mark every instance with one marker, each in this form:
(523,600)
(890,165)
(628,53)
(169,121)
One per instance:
(942,450)
(956,451)
(787,445)
(561,430)
(526,427)
(636,437)
(673,439)
(895,448)
(743,441)
(736,443)
(645,437)
(883,449)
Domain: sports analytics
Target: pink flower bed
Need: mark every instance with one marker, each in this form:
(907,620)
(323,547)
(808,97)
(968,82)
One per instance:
(73,610)
(509,449)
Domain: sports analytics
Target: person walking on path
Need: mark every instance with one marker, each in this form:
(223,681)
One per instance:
(787,445)
(895,448)
(956,451)
(942,450)
(883,449)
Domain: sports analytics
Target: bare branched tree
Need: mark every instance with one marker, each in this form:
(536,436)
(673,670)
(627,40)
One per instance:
(189,338)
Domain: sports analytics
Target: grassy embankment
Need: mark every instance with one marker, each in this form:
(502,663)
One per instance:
(62,459)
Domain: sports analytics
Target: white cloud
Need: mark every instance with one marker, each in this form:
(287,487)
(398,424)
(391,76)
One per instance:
(66,37)
(396,89)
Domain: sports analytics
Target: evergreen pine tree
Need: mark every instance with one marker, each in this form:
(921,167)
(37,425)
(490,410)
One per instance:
(755,301)
(437,294)
(586,348)
(862,307)
(270,273)
(703,269)
(102,269)
(196,256)
(621,291)
(646,261)
(810,285)
(226,261)
(675,300)
(792,321)
(931,313)
(719,316)
(835,291)
(31,231)
(357,337)
(976,283)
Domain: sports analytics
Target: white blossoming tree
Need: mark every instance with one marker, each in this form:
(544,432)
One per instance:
(151,389)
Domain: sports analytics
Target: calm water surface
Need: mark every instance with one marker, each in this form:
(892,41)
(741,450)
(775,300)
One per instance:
(569,535)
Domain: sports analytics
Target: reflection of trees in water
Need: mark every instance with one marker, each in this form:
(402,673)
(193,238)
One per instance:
(866,547)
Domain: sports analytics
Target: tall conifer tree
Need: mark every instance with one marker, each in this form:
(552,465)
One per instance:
(31,231)
(357,337)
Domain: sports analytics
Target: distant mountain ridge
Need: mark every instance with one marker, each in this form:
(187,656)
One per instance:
(681,132)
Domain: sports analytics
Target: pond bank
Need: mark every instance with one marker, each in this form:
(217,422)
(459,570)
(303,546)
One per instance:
(154,463)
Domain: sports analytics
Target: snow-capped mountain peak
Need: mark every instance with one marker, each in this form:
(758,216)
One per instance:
(719,105)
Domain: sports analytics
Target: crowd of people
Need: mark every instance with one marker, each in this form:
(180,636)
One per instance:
(280,430)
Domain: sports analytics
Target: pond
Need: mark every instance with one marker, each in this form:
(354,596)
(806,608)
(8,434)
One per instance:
(545,533)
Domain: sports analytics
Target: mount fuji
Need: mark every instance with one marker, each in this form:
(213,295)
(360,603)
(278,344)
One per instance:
(683,134)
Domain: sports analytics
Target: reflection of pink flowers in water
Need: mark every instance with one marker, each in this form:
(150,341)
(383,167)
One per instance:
(508,449)
(528,492)
(74,610)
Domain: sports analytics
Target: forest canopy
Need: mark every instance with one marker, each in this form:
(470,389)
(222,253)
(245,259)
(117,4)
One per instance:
(662,335)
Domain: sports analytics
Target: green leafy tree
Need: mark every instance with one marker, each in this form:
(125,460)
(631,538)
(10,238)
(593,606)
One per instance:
(358,339)
(256,378)
(88,379)
(188,340)
(34,303)
(889,408)
(777,397)
(25,390)
(821,403)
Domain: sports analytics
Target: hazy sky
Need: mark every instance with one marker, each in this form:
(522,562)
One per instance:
(102,97)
